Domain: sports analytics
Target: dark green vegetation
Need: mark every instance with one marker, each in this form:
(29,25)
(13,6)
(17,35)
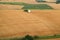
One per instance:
(47,37)
(29,6)
(37,6)
(28,37)
(40,0)
(58,1)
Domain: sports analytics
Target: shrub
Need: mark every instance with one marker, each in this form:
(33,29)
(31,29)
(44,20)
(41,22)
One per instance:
(28,37)
(36,37)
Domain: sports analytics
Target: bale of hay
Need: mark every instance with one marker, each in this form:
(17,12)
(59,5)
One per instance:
(27,11)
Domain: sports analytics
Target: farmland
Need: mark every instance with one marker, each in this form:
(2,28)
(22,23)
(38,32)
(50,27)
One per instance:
(23,5)
(27,6)
(20,23)
(43,20)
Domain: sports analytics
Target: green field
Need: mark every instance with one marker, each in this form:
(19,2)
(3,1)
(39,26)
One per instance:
(37,6)
(29,6)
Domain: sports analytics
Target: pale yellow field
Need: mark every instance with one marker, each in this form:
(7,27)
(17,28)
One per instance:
(38,22)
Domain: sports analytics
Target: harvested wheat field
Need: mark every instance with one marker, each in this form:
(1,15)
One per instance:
(38,22)
(54,5)
(25,1)
(10,7)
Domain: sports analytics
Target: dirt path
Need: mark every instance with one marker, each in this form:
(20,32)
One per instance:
(38,22)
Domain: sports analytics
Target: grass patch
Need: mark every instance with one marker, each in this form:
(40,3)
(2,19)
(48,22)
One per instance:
(49,37)
(37,6)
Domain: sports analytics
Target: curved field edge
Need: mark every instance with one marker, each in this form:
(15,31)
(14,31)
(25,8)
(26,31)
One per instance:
(29,6)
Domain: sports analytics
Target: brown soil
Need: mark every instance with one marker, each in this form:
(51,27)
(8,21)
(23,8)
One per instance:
(38,22)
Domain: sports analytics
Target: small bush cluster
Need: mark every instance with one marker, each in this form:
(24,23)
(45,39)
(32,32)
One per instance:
(27,37)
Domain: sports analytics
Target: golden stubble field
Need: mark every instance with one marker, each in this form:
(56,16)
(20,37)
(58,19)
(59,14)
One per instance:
(10,7)
(25,1)
(38,22)
(15,23)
